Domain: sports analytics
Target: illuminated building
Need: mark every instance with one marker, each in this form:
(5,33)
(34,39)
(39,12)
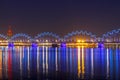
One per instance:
(9,32)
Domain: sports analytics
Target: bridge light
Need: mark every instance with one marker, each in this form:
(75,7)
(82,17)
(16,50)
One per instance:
(11,45)
(92,40)
(34,45)
(46,40)
(100,45)
(55,40)
(28,40)
(37,40)
(80,41)
(63,44)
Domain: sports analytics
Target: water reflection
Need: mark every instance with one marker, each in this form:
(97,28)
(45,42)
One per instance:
(28,65)
(79,67)
(83,71)
(107,68)
(59,63)
(56,61)
(0,63)
(92,63)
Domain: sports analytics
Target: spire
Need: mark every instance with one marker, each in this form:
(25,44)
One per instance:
(9,32)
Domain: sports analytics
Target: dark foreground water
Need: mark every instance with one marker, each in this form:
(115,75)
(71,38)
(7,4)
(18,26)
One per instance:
(46,63)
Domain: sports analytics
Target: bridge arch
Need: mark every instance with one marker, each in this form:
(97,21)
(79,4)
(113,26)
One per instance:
(19,35)
(3,37)
(80,33)
(46,35)
(112,36)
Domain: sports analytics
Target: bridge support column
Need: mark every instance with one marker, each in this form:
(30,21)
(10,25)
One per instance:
(10,44)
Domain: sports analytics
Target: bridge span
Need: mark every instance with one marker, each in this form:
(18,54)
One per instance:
(67,44)
(74,38)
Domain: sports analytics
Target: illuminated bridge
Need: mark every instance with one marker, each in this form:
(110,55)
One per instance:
(75,38)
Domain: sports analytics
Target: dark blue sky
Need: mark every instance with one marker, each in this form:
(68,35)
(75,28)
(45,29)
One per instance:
(61,17)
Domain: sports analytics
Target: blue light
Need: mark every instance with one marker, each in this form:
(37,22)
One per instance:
(11,45)
(34,45)
(100,45)
(63,44)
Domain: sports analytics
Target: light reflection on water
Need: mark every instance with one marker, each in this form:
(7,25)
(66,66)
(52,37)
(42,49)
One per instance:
(59,63)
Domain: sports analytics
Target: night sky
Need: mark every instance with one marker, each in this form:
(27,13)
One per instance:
(61,17)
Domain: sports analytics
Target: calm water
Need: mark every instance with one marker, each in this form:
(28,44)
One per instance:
(46,63)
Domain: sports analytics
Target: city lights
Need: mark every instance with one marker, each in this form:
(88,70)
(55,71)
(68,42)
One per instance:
(80,41)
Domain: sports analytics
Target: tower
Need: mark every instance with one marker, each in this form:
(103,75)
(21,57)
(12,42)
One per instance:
(9,32)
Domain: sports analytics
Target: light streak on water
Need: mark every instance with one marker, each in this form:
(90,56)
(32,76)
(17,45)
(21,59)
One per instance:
(56,59)
(83,65)
(92,63)
(28,62)
(107,63)
(0,63)
(79,66)
(20,61)
(67,58)
(71,63)
(23,52)
(46,60)
(6,61)
(43,60)
(38,61)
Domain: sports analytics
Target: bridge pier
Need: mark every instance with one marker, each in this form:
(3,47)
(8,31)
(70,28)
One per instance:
(10,44)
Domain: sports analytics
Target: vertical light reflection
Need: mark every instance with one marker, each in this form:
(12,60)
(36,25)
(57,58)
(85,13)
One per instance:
(23,52)
(56,62)
(67,58)
(59,60)
(20,62)
(83,64)
(79,68)
(38,62)
(43,61)
(117,64)
(28,63)
(10,63)
(6,61)
(46,60)
(70,60)
(38,59)
(107,63)
(0,64)
(92,63)
(111,63)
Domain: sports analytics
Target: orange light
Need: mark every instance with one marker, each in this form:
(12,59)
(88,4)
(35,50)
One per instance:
(78,40)
(82,41)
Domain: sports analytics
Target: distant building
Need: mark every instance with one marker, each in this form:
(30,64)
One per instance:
(9,32)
